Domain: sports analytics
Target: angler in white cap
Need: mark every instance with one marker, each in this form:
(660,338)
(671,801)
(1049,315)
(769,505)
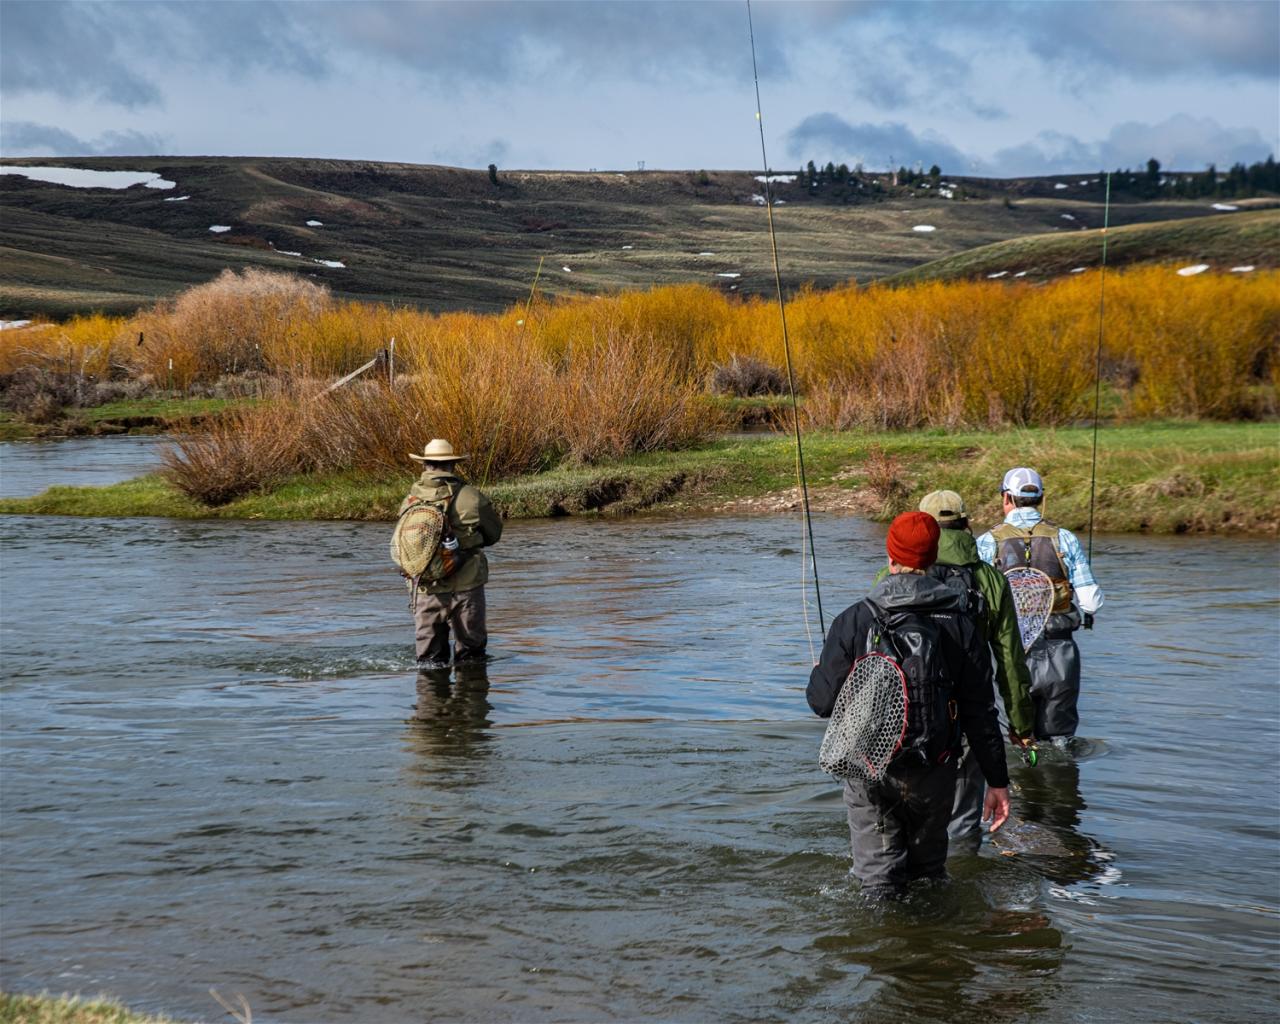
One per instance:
(1026,538)
(442,527)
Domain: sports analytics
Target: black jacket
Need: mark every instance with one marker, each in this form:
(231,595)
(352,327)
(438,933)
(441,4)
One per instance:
(966,654)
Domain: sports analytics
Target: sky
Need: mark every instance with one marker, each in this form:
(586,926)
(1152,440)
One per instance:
(992,88)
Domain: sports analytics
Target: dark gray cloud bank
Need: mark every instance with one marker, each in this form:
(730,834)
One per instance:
(857,80)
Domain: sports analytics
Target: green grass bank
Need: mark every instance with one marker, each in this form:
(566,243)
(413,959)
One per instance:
(1167,477)
(47,1009)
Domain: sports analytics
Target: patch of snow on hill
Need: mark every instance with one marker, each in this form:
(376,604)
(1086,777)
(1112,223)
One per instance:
(335,264)
(175,199)
(1227,207)
(7,325)
(1066,216)
(566,270)
(786,179)
(625,247)
(1248,269)
(758,199)
(925,228)
(1191,271)
(315,224)
(1059,185)
(1079,270)
(998,273)
(1020,273)
(286,252)
(218,229)
(728,274)
(78,177)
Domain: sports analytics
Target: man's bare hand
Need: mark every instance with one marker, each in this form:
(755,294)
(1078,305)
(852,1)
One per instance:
(995,808)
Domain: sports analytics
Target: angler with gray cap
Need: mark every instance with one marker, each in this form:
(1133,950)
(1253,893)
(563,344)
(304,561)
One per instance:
(1026,538)
(441,528)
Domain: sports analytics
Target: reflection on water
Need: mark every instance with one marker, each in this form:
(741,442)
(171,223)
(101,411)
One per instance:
(29,467)
(220,769)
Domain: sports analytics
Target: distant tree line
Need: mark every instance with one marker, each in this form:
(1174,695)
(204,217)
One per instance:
(1237,182)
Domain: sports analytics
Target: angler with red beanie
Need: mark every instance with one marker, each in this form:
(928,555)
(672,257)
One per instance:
(898,823)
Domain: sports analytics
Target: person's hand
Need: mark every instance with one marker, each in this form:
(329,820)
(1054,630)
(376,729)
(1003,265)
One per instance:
(1088,620)
(995,808)
(1019,741)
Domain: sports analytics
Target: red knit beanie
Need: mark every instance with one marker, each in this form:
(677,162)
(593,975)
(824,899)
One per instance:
(913,540)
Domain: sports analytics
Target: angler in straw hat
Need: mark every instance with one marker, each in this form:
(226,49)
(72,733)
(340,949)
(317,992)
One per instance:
(452,599)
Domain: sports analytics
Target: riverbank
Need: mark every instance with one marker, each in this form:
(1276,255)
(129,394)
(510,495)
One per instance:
(47,1009)
(1167,477)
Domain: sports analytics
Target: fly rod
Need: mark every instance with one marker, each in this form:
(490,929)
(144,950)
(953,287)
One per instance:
(1097,369)
(786,347)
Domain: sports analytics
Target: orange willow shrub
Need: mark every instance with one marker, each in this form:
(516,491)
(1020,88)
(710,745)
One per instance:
(1200,345)
(226,326)
(84,346)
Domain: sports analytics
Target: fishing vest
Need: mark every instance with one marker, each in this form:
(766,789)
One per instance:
(1016,546)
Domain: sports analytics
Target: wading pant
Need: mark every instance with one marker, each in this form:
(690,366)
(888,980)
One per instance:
(435,615)
(898,826)
(1054,664)
(965,828)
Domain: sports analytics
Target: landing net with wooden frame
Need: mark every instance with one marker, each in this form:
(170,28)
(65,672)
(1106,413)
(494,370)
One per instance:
(1032,601)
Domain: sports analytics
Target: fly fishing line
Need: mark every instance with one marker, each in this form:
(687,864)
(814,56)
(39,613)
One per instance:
(807,531)
(1097,369)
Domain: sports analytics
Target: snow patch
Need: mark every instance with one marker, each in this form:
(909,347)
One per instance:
(1248,269)
(1085,182)
(1059,185)
(706,254)
(786,179)
(1079,270)
(1225,206)
(626,247)
(77,177)
(286,252)
(335,264)
(8,325)
(218,229)
(175,199)
(946,193)
(1191,271)
(1020,273)
(315,224)
(566,270)
(728,274)
(758,199)
(925,228)
(1066,216)
(998,273)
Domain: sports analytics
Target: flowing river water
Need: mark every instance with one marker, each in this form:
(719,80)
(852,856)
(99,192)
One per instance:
(220,771)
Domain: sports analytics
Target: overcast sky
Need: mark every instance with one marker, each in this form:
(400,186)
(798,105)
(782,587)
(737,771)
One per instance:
(986,87)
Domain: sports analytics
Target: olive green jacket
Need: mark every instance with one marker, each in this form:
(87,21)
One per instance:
(999,627)
(475,523)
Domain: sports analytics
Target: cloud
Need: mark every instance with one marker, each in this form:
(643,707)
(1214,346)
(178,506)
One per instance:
(70,50)
(1181,142)
(827,136)
(79,50)
(1158,38)
(26,138)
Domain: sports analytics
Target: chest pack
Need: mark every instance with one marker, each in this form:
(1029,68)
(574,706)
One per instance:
(1036,548)
(423,545)
(914,640)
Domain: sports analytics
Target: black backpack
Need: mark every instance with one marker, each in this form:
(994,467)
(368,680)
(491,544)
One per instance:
(915,641)
(963,580)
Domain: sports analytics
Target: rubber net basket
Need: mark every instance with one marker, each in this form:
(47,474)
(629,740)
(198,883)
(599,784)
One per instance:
(868,721)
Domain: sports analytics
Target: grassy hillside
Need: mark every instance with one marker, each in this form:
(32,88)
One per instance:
(446,238)
(1248,238)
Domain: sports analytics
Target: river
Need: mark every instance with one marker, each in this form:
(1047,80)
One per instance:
(219,770)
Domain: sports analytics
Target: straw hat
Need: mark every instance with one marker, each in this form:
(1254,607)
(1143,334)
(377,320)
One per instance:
(437,450)
(944,506)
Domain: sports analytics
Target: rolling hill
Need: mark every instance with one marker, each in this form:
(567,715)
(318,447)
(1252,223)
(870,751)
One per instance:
(447,238)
